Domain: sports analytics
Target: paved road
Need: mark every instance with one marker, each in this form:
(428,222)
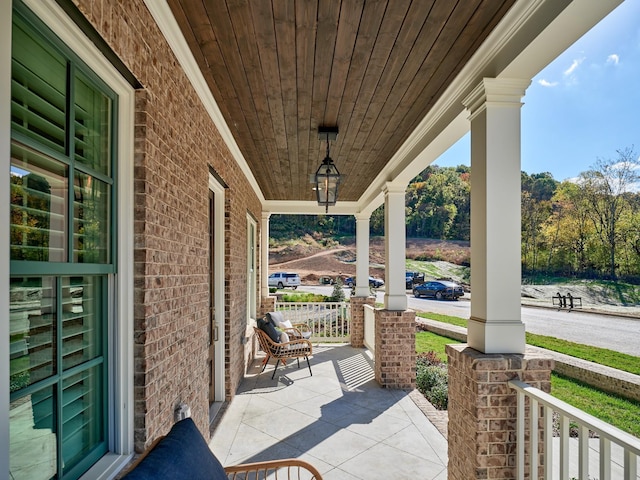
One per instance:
(621,334)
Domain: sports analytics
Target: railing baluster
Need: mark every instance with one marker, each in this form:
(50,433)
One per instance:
(520,438)
(605,458)
(533,436)
(564,446)
(583,453)
(548,442)
(630,466)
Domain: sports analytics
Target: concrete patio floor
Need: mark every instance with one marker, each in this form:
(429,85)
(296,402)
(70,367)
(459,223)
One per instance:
(339,419)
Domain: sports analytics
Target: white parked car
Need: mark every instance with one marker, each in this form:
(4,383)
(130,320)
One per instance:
(284,279)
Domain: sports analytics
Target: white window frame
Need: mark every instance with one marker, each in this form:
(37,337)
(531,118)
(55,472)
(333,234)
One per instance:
(121,406)
(252,270)
(218,278)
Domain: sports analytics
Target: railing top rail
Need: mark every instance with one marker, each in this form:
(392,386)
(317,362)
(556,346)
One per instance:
(604,429)
(310,303)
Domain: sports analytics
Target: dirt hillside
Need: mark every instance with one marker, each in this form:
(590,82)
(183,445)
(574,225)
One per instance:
(311,260)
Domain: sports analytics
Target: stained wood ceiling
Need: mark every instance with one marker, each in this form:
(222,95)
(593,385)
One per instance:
(279,69)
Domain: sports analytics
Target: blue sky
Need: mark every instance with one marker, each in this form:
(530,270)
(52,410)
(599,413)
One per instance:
(585,105)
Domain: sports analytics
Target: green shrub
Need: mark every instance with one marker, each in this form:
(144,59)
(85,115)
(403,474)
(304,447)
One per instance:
(338,293)
(432,379)
(303,297)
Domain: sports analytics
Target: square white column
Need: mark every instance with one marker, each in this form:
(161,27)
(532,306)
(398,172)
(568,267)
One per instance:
(495,325)
(362,254)
(264,254)
(395,297)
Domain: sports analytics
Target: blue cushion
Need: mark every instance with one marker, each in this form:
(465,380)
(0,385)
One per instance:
(268,326)
(182,454)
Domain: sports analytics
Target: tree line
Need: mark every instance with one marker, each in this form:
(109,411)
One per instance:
(587,227)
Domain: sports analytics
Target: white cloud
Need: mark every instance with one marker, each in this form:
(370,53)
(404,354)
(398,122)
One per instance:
(546,83)
(574,65)
(613,59)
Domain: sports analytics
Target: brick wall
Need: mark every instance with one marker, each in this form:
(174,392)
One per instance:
(395,349)
(175,143)
(483,411)
(357,319)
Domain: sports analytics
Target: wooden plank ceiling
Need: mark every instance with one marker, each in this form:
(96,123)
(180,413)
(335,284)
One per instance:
(279,69)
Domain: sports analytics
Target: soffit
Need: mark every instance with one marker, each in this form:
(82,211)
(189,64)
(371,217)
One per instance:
(280,69)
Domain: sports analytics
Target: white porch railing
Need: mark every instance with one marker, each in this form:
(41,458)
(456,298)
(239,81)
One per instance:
(624,444)
(369,328)
(329,321)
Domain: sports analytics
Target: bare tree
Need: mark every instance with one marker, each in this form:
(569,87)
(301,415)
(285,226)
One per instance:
(603,187)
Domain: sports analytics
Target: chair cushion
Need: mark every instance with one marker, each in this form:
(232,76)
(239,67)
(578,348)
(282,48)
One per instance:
(277,317)
(268,326)
(285,324)
(182,455)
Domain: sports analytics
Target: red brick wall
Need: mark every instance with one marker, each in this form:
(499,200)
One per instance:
(176,142)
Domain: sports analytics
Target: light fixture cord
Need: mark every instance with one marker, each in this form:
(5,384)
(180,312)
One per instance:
(327,144)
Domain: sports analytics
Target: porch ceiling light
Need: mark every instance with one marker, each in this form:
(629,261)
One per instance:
(327,178)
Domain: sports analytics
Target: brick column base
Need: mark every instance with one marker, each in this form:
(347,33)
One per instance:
(395,355)
(483,413)
(357,319)
(268,304)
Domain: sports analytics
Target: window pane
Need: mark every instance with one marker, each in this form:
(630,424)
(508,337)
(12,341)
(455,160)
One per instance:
(91,220)
(32,453)
(38,206)
(81,320)
(38,88)
(32,330)
(82,415)
(92,127)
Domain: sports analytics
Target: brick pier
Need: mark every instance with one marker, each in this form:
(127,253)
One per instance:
(483,410)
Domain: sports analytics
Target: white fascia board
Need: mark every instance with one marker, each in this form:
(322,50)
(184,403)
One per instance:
(173,35)
(564,30)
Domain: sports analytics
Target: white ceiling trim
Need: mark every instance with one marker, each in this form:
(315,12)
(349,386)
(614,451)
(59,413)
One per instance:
(173,35)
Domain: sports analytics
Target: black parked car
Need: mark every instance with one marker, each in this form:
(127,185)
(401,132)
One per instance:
(413,278)
(438,290)
(373,282)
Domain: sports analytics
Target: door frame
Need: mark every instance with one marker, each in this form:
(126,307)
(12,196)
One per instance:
(218,286)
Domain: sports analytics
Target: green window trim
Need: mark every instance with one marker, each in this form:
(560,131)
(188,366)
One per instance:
(63,253)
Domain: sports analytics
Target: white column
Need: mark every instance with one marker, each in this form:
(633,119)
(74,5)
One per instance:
(264,255)
(495,325)
(362,254)
(395,297)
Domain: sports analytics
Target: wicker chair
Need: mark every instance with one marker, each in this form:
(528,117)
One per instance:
(300,330)
(296,348)
(289,468)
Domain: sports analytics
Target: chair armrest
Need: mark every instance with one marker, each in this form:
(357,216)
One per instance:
(288,468)
(293,332)
(290,348)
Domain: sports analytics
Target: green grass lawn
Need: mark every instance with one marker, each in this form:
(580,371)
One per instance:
(602,356)
(617,411)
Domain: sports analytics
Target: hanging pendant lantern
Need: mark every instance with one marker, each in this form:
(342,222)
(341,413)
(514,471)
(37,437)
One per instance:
(327,178)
